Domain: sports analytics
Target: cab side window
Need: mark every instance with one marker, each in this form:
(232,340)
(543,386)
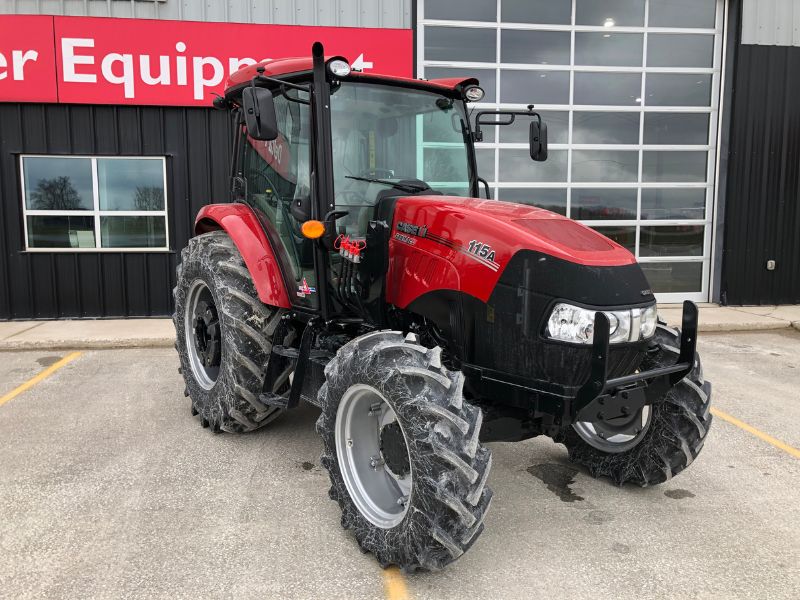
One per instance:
(277,173)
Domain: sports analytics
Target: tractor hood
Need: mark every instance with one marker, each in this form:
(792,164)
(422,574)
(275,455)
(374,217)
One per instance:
(466,244)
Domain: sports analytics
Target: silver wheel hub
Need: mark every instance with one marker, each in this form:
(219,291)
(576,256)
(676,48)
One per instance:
(372,450)
(203,334)
(615,437)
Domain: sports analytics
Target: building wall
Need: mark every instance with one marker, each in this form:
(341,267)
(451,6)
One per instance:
(196,142)
(771,22)
(763,198)
(343,13)
(631,93)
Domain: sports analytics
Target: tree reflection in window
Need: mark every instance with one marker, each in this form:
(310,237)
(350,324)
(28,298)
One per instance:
(57,193)
(147,198)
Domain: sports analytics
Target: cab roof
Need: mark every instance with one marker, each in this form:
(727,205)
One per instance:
(282,67)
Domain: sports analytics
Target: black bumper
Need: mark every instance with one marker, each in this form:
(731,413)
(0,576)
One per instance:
(599,397)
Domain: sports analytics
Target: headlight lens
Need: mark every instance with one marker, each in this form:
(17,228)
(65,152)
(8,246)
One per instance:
(339,68)
(574,324)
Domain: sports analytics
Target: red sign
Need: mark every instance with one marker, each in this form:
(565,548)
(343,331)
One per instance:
(90,60)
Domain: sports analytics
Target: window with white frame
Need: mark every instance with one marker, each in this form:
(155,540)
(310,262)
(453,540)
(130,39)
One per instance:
(91,204)
(630,92)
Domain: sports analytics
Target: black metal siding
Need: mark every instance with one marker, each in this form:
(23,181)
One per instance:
(196,142)
(763,197)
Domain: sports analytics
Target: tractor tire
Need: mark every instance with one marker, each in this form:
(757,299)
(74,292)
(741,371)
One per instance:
(438,471)
(679,424)
(224,379)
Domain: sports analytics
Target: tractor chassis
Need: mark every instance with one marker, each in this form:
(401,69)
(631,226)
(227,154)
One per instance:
(528,407)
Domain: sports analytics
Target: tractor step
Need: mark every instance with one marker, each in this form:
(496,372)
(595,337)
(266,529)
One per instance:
(275,400)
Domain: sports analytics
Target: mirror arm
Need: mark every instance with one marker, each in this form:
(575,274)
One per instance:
(486,187)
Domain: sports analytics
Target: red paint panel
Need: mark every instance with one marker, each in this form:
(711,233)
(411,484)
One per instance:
(244,229)
(27,61)
(452,223)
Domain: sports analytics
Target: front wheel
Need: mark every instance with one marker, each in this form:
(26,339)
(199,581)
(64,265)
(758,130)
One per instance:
(660,440)
(402,452)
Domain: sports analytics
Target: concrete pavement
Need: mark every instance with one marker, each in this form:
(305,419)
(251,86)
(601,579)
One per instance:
(109,488)
(159,333)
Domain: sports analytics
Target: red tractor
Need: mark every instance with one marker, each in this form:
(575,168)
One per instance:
(356,268)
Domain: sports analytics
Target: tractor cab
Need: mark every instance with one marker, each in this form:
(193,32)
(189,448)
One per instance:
(318,142)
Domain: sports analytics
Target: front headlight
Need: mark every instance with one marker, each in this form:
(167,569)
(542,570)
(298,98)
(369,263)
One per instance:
(574,324)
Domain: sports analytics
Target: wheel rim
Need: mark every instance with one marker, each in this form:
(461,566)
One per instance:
(372,450)
(203,334)
(617,437)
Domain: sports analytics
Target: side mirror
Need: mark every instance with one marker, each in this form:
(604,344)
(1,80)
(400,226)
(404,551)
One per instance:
(259,113)
(538,140)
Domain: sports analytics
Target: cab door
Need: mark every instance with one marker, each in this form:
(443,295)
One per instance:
(277,173)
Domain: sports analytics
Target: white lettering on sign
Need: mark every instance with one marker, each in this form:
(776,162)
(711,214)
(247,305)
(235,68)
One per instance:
(147,74)
(360,64)
(19,58)
(200,81)
(126,78)
(71,60)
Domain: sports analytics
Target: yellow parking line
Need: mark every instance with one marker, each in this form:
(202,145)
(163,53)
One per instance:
(395,584)
(759,434)
(40,377)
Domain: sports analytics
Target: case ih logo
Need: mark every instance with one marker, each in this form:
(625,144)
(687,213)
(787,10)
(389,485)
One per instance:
(136,61)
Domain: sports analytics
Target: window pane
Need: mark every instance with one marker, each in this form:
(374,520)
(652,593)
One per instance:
(673,240)
(61,232)
(673,50)
(624,236)
(674,204)
(485,159)
(605,128)
(668,89)
(676,128)
(534,87)
(460,43)
(621,89)
(550,12)
(444,165)
(130,184)
(516,165)
(682,13)
(674,166)
(457,9)
(628,13)
(56,183)
(605,165)
(519,131)
(487,77)
(674,277)
(607,49)
(554,200)
(603,204)
(132,232)
(532,47)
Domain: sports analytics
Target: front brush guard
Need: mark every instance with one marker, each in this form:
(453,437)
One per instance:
(604,399)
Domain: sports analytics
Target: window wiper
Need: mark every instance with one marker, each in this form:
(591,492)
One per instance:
(411,188)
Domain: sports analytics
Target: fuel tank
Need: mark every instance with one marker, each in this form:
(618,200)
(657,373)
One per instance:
(488,274)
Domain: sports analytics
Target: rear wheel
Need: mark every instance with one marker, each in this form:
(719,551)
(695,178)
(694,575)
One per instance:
(402,452)
(223,336)
(657,442)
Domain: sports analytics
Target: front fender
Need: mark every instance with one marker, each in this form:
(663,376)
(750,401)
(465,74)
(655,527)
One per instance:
(244,228)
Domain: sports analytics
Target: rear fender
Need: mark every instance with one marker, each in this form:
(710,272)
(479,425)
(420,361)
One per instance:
(244,228)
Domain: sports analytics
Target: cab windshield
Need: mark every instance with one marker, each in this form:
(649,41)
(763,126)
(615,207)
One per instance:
(394,134)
